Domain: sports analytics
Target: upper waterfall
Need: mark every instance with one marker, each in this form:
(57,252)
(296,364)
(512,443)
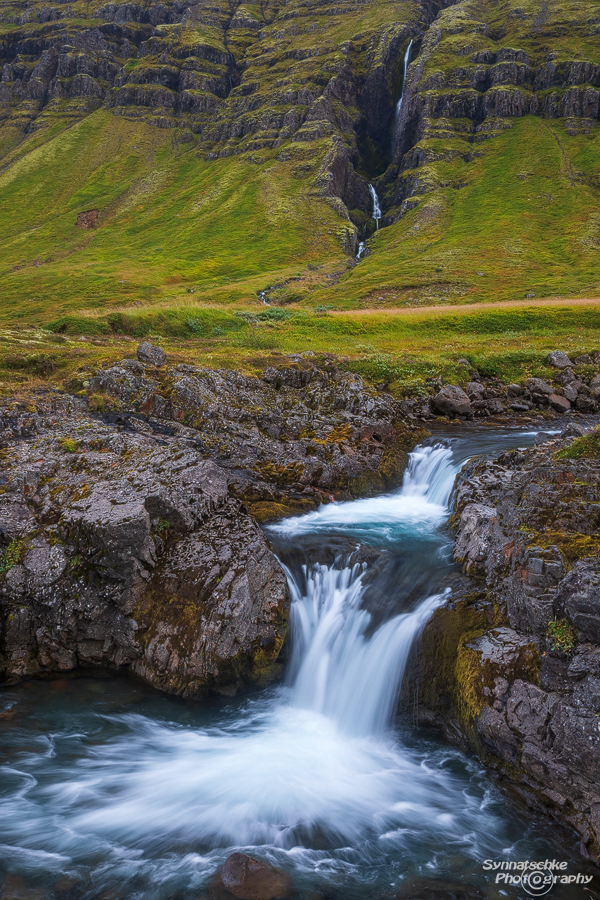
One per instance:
(399,103)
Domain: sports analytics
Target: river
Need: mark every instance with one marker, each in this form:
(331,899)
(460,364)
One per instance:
(111,790)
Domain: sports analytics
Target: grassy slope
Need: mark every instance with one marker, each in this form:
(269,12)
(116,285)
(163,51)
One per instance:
(523,218)
(522,210)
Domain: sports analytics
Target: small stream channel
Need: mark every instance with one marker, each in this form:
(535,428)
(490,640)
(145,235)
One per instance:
(111,790)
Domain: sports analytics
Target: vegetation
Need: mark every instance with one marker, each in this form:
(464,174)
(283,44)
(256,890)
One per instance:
(585,447)
(68,445)
(403,349)
(562,635)
(12,555)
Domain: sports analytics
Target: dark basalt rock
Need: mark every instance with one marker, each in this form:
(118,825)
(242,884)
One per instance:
(154,356)
(490,671)
(452,401)
(126,534)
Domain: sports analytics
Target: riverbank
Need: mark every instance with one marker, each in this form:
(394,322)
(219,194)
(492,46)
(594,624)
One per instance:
(128,514)
(511,668)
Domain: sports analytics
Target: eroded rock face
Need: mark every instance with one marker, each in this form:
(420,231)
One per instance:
(126,539)
(495,675)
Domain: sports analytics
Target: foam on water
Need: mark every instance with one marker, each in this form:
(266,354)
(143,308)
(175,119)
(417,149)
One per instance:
(310,775)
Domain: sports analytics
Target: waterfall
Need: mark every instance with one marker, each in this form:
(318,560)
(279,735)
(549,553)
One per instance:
(361,250)
(376,207)
(338,669)
(310,775)
(399,103)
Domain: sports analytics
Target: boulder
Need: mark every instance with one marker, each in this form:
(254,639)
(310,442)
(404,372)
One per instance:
(452,401)
(558,403)
(558,359)
(151,355)
(250,879)
(475,390)
(537,386)
(584,360)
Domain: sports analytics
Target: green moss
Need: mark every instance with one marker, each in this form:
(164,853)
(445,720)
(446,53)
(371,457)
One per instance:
(585,447)
(68,445)
(12,555)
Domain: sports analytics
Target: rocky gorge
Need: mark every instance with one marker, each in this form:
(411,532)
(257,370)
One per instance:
(510,667)
(133,539)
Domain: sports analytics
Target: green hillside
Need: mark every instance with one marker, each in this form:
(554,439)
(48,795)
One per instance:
(157,156)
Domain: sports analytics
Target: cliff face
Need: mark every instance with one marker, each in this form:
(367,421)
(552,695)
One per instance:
(479,67)
(244,77)
(513,668)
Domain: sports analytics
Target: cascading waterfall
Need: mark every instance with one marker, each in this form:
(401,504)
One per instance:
(310,775)
(376,207)
(399,103)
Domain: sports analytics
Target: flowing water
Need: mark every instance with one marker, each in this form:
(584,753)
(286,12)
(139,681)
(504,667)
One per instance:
(131,794)
(399,103)
(376,207)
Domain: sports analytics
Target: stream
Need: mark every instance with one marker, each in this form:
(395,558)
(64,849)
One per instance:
(111,790)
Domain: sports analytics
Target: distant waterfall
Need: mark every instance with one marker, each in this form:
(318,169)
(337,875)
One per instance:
(399,103)
(376,206)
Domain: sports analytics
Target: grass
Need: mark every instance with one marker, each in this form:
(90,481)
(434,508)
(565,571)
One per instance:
(401,350)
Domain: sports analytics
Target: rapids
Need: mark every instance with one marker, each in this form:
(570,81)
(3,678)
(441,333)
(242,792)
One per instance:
(124,790)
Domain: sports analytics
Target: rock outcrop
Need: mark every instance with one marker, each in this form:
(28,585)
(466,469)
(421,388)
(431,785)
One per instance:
(513,668)
(126,539)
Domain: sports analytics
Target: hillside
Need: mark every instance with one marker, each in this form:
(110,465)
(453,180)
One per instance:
(168,154)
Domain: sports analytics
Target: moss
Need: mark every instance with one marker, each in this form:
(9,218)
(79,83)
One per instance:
(573,545)
(279,474)
(268,511)
(68,445)
(585,447)
(12,555)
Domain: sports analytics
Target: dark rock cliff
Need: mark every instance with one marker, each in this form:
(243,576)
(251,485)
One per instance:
(513,667)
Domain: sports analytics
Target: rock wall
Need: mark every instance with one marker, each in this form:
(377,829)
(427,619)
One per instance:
(512,668)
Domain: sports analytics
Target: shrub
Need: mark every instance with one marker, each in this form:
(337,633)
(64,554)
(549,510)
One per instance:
(562,635)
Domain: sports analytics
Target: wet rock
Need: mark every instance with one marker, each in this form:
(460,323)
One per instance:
(558,359)
(15,887)
(249,879)
(452,401)
(473,544)
(133,546)
(151,355)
